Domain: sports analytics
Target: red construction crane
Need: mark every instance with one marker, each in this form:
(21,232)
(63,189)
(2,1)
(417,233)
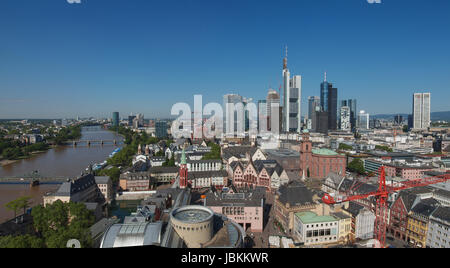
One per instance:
(381,195)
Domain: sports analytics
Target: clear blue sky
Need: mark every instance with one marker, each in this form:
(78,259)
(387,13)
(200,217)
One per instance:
(90,59)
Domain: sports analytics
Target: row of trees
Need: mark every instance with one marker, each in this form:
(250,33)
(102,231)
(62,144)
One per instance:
(343,146)
(18,204)
(383,148)
(65,134)
(215,152)
(14,149)
(54,225)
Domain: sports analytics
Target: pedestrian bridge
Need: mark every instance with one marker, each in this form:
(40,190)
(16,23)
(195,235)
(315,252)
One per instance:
(94,142)
(33,181)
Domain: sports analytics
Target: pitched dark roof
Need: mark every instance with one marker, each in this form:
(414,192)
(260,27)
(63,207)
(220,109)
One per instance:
(236,164)
(364,188)
(442,213)
(72,187)
(408,199)
(345,185)
(424,209)
(238,151)
(295,193)
(270,166)
(354,208)
(442,192)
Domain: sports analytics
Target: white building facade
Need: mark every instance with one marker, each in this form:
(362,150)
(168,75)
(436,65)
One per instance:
(421,110)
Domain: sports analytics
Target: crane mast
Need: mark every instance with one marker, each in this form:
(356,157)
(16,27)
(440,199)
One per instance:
(381,195)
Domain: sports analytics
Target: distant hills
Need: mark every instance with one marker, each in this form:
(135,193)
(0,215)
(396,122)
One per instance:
(434,116)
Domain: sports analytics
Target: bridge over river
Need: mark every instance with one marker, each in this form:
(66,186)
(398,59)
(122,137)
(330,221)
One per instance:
(93,142)
(34,179)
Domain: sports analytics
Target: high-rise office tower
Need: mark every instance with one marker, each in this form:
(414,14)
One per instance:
(328,102)
(319,122)
(130,119)
(313,102)
(161,129)
(351,103)
(115,119)
(421,110)
(292,94)
(247,115)
(410,121)
(262,115)
(398,119)
(273,108)
(232,114)
(345,118)
(363,120)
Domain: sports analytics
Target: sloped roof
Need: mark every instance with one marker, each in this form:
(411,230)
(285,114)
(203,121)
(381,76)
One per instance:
(295,193)
(424,208)
(408,199)
(72,187)
(236,164)
(335,178)
(238,151)
(354,208)
(442,213)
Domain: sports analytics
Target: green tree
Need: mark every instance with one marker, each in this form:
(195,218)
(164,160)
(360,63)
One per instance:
(170,162)
(343,146)
(383,148)
(21,241)
(405,128)
(59,222)
(12,153)
(24,202)
(357,165)
(113,173)
(14,205)
(215,152)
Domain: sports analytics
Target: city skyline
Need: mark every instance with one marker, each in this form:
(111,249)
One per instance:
(98,65)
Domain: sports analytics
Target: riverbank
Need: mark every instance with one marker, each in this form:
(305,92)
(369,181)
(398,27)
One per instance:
(6,162)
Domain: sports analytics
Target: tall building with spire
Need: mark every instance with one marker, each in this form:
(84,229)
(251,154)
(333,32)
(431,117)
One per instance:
(183,173)
(292,93)
(328,102)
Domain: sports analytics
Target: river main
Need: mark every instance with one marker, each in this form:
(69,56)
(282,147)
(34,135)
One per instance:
(61,161)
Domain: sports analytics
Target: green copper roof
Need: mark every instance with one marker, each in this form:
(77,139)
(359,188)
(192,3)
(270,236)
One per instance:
(183,157)
(311,217)
(323,151)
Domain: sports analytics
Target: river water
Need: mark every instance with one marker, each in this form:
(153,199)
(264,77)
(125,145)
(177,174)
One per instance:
(61,161)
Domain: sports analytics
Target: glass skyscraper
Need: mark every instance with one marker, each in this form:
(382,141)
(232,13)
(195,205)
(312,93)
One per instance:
(328,102)
(161,129)
(313,102)
(115,119)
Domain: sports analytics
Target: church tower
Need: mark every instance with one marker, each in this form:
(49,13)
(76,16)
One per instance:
(183,171)
(305,154)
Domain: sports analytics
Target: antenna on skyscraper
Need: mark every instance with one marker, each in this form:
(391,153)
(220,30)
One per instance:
(285,58)
(325,79)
